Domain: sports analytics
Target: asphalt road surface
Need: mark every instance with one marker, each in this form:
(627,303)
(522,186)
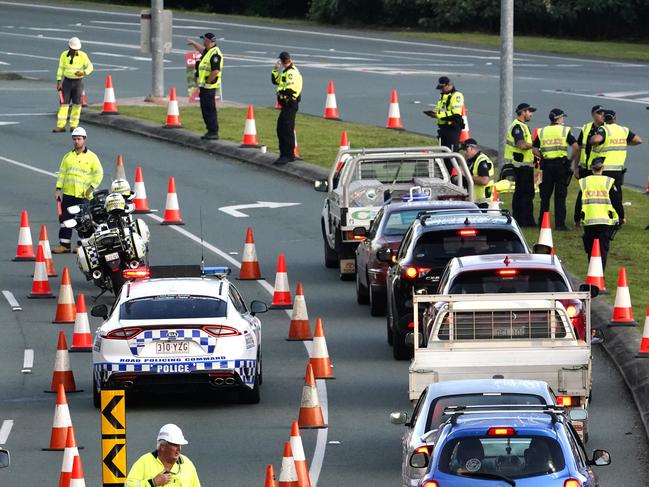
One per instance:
(230,443)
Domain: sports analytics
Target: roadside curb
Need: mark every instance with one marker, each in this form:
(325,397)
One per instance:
(299,169)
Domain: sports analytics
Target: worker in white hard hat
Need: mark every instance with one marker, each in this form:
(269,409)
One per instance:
(74,65)
(79,175)
(165,465)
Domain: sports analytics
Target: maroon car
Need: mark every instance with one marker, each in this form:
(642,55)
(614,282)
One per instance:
(387,230)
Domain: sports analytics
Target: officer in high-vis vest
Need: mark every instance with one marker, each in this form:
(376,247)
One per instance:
(551,146)
(599,208)
(610,142)
(482,173)
(581,164)
(289,94)
(74,65)
(518,153)
(448,114)
(208,76)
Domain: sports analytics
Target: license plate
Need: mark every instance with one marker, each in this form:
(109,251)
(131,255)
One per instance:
(112,256)
(172,348)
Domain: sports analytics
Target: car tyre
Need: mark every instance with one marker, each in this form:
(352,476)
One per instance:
(362,296)
(390,335)
(330,255)
(377,302)
(96,393)
(400,350)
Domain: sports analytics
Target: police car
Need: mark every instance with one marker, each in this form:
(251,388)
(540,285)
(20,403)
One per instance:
(179,325)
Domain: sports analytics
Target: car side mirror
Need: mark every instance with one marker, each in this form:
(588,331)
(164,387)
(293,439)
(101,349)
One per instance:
(74,209)
(601,458)
(578,414)
(5,458)
(419,459)
(542,249)
(384,255)
(359,232)
(321,185)
(69,223)
(399,417)
(258,307)
(100,311)
(589,288)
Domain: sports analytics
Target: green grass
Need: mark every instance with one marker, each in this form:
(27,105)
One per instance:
(318,139)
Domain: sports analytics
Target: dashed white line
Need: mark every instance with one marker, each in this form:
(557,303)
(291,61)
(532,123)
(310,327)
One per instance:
(13,302)
(5,429)
(28,361)
(601,97)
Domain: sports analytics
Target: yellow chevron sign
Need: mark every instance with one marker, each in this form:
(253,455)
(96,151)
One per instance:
(113,438)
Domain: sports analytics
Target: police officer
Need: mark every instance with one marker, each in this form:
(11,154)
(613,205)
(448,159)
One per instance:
(79,175)
(289,89)
(165,465)
(551,146)
(581,164)
(482,172)
(74,65)
(448,114)
(518,153)
(599,207)
(611,141)
(208,76)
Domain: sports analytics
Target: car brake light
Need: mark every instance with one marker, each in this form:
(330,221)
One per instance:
(123,333)
(431,483)
(501,432)
(568,401)
(507,272)
(467,232)
(138,273)
(411,272)
(415,272)
(221,331)
(572,483)
(572,311)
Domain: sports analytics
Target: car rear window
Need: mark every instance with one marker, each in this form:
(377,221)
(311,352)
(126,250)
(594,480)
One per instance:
(436,414)
(520,281)
(515,457)
(442,246)
(172,307)
(399,221)
(395,171)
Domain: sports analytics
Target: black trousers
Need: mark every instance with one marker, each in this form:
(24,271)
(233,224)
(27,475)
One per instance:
(555,178)
(449,137)
(72,90)
(65,234)
(208,109)
(603,233)
(523,200)
(618,177)
(286,129)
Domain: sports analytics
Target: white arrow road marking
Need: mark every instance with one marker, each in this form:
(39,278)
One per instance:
(28,361)
(9,123)
(234,210)
(9,296)
(5,429)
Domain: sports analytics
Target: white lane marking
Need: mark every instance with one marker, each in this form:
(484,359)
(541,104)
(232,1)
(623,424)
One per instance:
(439,54)
(50,58)
(35,114)
(11,299)
(5,64)
(69,9)
(8,123)
(110,22)
(236,212)
(583,95)
(5,429)
(27,166)
(28,361)
(623,94)
(135,58)
(47,29)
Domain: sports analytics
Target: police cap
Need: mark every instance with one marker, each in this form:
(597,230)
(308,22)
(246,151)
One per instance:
(556,113)
(209,36)
(525,106)
(597,163)
(597,109)
(284,56)
(609,115)
(443,81)
(469,142)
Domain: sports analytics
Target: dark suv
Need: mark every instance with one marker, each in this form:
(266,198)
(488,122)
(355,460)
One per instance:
(433,240)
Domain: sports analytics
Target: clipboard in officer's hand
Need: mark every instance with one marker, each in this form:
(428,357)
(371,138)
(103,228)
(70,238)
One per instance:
(430,113)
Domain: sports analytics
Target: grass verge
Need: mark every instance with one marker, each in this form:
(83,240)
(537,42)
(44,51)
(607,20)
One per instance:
(318,143)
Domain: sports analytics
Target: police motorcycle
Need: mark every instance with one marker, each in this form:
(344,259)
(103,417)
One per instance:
(113,244)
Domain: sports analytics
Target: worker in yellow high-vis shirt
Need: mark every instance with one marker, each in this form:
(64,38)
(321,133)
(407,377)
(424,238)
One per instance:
(74,65)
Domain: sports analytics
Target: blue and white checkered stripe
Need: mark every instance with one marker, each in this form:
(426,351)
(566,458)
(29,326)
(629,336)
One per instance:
(205,340)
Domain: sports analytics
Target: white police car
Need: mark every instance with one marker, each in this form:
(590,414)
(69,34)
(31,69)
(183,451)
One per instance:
(169,329)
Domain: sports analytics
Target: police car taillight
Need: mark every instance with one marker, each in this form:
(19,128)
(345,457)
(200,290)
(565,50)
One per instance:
(139,273)
(501,432)
(221,330)
(123,333)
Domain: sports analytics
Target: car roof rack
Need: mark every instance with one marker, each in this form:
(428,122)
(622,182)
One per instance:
(456,411)
(426,214)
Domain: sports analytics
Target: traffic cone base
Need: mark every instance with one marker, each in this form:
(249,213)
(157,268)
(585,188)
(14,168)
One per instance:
(282,292)
(249,264)
(25,248)
(140,201)
(172,210)
(81,337)
(622,309)
(300,328)
(319,360)
(66,310)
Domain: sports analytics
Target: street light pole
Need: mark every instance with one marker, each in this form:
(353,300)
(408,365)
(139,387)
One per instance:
(157,54)
(506,72)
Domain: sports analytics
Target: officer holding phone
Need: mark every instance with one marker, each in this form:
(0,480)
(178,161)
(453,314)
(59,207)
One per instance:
(289,94)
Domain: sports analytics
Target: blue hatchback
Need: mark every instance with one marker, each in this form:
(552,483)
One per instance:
(511,446)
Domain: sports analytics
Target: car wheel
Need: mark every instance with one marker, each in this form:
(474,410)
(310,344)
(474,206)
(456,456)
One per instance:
(362,296)
(390,335)
(377,302)
(96,393)
(330,256)
(399,349)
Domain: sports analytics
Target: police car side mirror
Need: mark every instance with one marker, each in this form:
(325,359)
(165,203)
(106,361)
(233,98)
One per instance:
(69,223)
(73,210)
(321,185)
(258,307)
(589,288)
(100,311)
(5,458)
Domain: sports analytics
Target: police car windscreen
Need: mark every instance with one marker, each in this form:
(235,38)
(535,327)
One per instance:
(172,307)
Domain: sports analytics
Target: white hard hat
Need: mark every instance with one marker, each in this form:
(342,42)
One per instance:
(79,131)
(172,434)
(74,43)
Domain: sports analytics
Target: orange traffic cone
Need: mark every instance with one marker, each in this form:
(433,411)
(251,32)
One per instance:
(110,106)
(465,133)
(25,248)
(140,201)
(62,373)
(47,252)
(41,284)
(297,448)
(62,421)
(622,309)
(288,474)
(344,141)
(319,359)
(296,152)
(120,173)
(545,236)
(644,343)
(77,480)
(282,292)
(250,130)
(173,114)
(494,204)
(595,274)
(172,210)
(69,453)
(394,115)
(65,308)
(270,476)
(249,264)
(331,108)
(310,411)
(299,329)
(84,100)
(81,337)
